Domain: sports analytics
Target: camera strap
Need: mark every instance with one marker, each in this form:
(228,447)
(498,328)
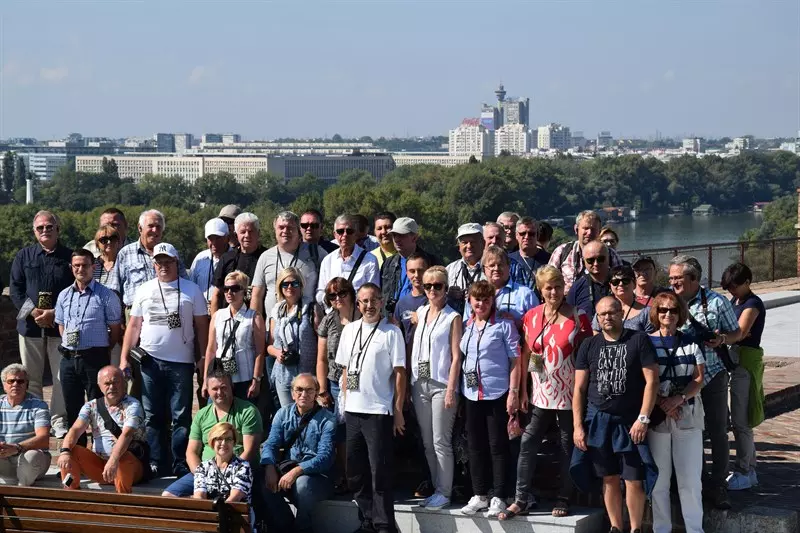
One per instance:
(356,266)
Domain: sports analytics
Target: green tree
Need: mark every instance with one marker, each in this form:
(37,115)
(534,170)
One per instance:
(20,174)
(8,171)
(220,188)
(110,168)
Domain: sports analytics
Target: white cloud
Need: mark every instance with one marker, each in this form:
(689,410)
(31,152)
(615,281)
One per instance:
(53,75)
(669,75)
(200,73)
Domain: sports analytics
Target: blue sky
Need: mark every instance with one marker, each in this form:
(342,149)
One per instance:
(373,67)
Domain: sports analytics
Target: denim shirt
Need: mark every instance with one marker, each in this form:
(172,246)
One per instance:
(314,449)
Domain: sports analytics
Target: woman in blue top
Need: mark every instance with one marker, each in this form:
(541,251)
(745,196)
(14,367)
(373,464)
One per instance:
(490,345)
(636,316)
(678,439)
(747,387)
(292,328)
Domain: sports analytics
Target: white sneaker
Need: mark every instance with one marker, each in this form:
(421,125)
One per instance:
(753,477)
(59,429)
(437,501)
(496,507)
(475,505)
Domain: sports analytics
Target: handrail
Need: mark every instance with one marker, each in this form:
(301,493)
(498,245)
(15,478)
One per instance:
(706,245)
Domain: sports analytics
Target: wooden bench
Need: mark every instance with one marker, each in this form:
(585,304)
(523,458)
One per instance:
(58,510)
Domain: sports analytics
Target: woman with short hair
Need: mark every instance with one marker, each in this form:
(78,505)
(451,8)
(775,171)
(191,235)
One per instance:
(108,242)
(224,475)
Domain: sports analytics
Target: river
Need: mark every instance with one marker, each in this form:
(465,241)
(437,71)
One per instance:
(686,230)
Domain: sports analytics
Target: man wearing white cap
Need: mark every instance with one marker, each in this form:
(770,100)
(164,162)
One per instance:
(465,271)
(167,316)
(394,281)
(201,272)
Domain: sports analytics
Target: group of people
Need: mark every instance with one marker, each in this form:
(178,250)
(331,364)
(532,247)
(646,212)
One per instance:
(310,358)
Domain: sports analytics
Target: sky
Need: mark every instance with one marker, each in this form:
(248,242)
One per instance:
(302,68)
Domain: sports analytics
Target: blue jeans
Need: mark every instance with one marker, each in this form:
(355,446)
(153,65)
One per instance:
(168,385)
(182,487)
(306,493)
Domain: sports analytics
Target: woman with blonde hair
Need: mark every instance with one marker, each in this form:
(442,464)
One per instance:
(224,475)
(435,374)
(108,242)
(236,340)
(552,333)
(292,328)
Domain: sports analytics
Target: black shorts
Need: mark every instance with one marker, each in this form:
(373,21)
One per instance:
(627,465)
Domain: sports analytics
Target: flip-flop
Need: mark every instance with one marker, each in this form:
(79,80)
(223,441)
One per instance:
(561,508)
(524,509)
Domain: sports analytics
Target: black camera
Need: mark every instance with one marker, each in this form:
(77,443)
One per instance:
(291,357)
(391,303)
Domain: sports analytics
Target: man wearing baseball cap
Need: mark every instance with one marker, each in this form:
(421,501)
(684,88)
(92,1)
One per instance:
(465,271)
(646,283)
(394,281)
(202,270)
(228,214)
(167,315)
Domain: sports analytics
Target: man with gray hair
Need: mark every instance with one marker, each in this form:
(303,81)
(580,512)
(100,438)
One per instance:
(568,257)
(713,320)
(38,273)
(508,220)
(350,261)
(24,429)
(243,257)
(290,251)
(134,264)
(463,272)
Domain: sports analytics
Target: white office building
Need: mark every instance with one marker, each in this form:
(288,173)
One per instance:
(183,142)
(44,165)
(692,145)
(513,138)
(444,159)
(605,139)
(554,137)
(471,138)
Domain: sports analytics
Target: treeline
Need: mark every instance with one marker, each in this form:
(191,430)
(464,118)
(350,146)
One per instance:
(439,198)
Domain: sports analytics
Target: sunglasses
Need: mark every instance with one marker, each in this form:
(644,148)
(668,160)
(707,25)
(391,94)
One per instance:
(106,240)
(508,228)
(433,286)
(45,227)
(12,381)
(166,261)
(293,284)
(337,295)
(667,310)
(342,231)
(609,242)
(600,259)
(307,225)
(526,233)
(307,390)
(620,281)
(232,288)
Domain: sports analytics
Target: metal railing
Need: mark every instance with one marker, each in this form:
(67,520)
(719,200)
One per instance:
(769,260)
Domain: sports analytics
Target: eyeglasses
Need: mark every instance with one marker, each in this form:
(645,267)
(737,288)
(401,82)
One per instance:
(600,259)
(223,439)
(667,310)
(232,288)
(620,281)
(12,381)
(293,284)
(106,240)
(509,227)
(371,301)
(307,390)
(433,286)
(307,225)
(342,231)
(609,242)
(44,227)
(526,233)
(337,295)
(166,261)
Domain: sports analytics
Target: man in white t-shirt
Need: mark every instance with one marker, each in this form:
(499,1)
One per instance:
(169,321)
(372,354)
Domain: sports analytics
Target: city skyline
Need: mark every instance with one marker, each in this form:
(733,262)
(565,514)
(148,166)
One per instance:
(268,70)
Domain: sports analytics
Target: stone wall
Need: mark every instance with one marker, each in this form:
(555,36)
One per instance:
(9,345)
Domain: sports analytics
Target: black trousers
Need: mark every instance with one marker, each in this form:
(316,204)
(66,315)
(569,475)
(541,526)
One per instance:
(487,436)
(537,428)
(79,379)
(370,470)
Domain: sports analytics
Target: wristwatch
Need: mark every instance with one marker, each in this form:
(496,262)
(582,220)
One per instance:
(644,419)
(258,378)
(683,397)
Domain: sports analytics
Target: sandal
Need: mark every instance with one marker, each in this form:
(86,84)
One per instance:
(524,509)
(561,508)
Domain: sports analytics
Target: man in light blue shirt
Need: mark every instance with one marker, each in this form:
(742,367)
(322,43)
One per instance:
(202,269)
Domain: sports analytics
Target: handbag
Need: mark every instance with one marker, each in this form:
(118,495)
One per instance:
(514,427)
(139,448)
(139,355)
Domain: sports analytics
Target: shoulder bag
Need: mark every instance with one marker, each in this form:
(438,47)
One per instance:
(139,448)
(286,465)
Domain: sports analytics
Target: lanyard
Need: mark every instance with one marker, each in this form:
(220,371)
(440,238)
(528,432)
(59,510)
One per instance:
(292,263)
(78,306)
(228,416)
(548,323)
(164,302)
(430,333)
(145,258)
(362,348)
(467,277)
(477,345)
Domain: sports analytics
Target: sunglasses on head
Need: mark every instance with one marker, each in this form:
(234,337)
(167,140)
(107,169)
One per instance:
(232,288)
(433,286)
(600,259)
(45,227)
(342,231)
(666,310)
(620,281)
(108,239)
(336,295)
(312,225)
(293,284)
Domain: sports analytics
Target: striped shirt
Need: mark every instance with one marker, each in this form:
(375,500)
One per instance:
(19,423)
(89,312)
(677,358)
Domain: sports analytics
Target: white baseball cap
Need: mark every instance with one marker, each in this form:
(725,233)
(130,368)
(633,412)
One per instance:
(470,228)
(165,248)
(216,226)
(404,226)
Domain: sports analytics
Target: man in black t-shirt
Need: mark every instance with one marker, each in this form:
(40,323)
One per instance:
(243,258)
(619,371)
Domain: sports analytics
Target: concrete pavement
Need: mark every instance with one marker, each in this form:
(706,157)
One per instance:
(781,336)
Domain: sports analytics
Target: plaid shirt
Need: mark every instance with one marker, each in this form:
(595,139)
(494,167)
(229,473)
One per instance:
(568,255)
(721,316)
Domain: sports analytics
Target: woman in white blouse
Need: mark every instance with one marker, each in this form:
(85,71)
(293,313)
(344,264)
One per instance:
(435,374)
(236,340)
